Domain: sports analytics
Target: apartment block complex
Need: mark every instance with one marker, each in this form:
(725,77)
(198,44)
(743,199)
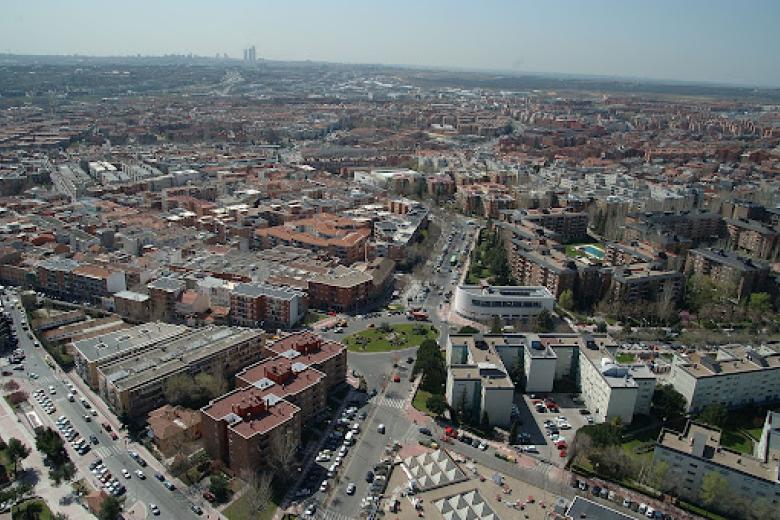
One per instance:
(65,278)
(696,452)
(478,368)
(646,283)
(260,421)
(753,238)
(732,375)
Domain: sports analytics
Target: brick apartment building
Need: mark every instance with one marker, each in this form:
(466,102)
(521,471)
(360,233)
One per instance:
(727,268)
(341,237)
(754,238)
(312,350)
(646,283)
(256,304)
(164,293)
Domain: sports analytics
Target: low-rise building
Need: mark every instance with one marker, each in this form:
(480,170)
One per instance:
(172,427)
(484,302)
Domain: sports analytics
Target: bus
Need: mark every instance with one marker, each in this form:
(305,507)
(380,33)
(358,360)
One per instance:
(454,260)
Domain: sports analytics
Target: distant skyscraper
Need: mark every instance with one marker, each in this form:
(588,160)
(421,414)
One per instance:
(250,54)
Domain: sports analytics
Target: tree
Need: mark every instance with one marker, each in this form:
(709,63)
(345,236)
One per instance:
(513,432)
(468,329)
(436,404)
(48,442)
(260,491)
(431,364)
(566,299)
(714,487)
(613,462)
(760,303)
(219,487)
(517,374)
(495,326)
(179,389)
(385,327)
(601,327)
(668,403)
(715,415)
(16,451)
(110,509)
(544,322)
(603,435)
(283,454)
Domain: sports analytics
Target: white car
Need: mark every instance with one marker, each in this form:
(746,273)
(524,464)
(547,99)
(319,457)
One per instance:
(154,509)
(140,474)
(52,390)
(351,488)
(125,473)
(324,486)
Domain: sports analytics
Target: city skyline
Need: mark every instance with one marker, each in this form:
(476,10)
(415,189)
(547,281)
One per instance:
(716,42)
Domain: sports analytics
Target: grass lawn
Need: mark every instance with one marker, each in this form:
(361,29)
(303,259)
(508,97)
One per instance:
(755,433)
(313,317)
(45,514)
(625,357)
(736,441)
(420,398)
(375,340)
(241,509)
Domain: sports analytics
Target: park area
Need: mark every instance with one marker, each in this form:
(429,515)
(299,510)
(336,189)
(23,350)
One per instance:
(386,338)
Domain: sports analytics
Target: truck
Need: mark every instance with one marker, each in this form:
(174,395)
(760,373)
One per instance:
(418,316)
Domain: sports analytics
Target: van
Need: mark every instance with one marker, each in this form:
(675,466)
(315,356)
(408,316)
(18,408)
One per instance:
(380,428)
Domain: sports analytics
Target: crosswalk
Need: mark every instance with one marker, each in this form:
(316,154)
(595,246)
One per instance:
(327,514)
(106,451)
(388,402)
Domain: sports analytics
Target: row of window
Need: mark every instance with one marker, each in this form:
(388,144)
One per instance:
(495,303)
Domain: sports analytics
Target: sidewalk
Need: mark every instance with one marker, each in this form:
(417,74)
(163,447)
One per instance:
(108,416)
(14,426)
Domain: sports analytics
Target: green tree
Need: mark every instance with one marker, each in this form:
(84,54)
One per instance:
(436,404)
(179,389)
(566,299)
(48,442)
(517,374)
(468,329)
(715,415)
(760,303)
(219,487)
(495,326)
(714,487)
(544,322)
(430,364)
(614,463)
(110,509)
(601,327)
(604,434)
(16,451)
(668,403)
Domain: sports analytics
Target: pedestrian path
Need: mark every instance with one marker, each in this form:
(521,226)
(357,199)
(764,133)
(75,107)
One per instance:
(106,451)
(328,514)
(389,402)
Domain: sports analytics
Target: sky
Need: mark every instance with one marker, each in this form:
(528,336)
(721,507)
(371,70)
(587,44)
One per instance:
(731,42)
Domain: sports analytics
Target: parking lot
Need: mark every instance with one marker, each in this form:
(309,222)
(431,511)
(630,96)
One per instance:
(549,431)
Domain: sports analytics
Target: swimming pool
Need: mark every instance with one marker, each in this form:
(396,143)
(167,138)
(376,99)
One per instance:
(593,251)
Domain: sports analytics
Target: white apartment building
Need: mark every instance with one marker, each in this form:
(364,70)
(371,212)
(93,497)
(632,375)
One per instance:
(482,303)
(478,368)
(696,452)
(768,445)
(477,380)
(733,375)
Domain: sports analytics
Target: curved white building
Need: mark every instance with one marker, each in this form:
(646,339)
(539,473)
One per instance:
(508,302)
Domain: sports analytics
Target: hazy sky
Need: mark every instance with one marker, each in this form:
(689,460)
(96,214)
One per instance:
(702,40)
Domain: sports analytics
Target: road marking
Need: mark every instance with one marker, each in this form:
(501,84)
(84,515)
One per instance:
(327,514)
(389,403)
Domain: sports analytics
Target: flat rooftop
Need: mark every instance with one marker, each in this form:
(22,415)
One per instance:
(251,411)
(280,375)
(107,345)
(731,359)
(307,348)
(704,442)
(507,291)
(172,356)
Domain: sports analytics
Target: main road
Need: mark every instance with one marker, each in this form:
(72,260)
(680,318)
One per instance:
(172,504)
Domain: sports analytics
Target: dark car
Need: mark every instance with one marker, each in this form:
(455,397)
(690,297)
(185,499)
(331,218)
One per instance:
(370,476)
(93,439)
(410,360)
(196,509)
(159,477)
(584,411)
(425,431)
(168,484)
